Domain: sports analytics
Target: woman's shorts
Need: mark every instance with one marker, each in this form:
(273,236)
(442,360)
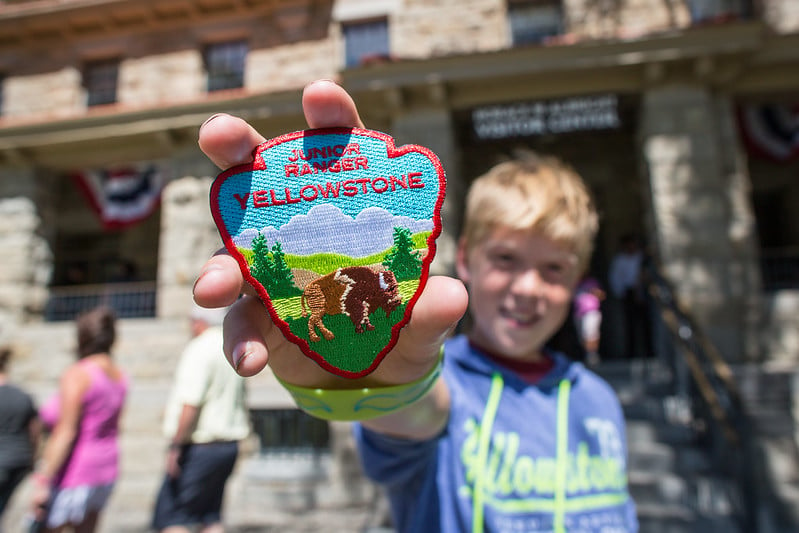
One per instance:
(589,324)
(70,505)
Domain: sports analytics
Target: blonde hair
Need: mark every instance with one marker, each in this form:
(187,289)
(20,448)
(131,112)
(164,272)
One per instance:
(540,194)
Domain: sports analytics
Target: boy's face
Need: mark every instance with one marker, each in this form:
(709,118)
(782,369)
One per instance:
(520,289)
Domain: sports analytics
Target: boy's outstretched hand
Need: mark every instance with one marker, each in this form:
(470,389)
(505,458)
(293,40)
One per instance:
(251,339)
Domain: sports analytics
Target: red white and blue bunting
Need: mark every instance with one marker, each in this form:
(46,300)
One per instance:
(771,130)
(124,196)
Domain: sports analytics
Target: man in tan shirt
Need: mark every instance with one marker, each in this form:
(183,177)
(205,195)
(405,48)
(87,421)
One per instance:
(205,419)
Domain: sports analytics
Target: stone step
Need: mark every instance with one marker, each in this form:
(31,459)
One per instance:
(650,457)
(657,487)
(671,515)
(667,524)
(641,431)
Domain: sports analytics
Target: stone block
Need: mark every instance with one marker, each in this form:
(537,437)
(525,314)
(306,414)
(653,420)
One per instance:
(297,64)
(162,78)
(55,93)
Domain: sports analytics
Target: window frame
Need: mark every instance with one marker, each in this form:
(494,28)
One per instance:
(534,35)
(224,73)
(289,432)
(102,88)
(355,58)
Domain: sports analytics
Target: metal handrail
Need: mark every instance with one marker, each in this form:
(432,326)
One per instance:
(715,388)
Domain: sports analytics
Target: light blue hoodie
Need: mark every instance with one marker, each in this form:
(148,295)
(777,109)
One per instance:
(513,458)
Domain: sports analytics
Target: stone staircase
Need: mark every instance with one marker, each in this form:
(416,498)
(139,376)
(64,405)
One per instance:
(771,395)
(672,478)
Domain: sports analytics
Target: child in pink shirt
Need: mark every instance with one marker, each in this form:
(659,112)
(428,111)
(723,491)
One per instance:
(588,316)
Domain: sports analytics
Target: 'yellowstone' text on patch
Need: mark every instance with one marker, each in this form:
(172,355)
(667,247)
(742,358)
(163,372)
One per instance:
(345,188)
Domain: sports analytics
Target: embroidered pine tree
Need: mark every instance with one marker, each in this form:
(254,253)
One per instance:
(282,282)
(403,260)
(261,267)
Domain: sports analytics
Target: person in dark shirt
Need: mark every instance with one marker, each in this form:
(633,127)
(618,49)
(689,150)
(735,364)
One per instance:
(19,433)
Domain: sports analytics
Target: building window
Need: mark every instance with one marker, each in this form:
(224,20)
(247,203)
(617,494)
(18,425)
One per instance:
(533,21)
(289,431)
(364,41)
(225,65)
(719,10)
(294,446)
(100,80)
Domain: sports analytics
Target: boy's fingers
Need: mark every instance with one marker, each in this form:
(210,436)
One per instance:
(228,141)
(220,282)
(328,105)
(244,344)
(436,313)
(439,308)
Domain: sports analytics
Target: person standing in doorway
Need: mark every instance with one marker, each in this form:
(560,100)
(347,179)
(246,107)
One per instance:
(205,419)
(627,287)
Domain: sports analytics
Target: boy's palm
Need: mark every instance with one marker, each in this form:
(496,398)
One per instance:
(251,339)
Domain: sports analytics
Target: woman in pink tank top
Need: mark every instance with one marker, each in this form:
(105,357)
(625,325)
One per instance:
(80,462)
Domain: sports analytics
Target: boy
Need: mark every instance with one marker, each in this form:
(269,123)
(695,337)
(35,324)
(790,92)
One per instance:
(533,442)
(510,437)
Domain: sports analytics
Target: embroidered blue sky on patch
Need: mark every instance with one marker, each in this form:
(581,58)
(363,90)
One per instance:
(335,229)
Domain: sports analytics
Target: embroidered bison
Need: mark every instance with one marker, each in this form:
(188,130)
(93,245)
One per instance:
(355,291)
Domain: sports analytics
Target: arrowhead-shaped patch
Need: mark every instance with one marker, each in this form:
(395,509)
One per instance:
(336,230)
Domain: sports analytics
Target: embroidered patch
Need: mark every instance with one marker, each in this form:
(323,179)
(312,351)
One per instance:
(335,229)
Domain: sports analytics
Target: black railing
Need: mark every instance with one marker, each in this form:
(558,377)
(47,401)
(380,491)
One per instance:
(129,300)
(710,388)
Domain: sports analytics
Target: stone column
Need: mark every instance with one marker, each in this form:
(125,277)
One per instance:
(188,238)
(27,267)
(702,221)
(433,129)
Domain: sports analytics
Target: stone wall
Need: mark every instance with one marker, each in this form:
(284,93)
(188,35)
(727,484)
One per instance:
(292,65)
(188,238)
(448,27)
(53,94)
(161,79)
(780,337)
(701,219)
(626,18)
(289,48)
(24,203)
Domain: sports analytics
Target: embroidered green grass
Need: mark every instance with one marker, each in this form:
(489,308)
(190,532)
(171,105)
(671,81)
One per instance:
(350,351)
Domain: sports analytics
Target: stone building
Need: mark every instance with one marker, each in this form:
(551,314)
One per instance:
(681,115)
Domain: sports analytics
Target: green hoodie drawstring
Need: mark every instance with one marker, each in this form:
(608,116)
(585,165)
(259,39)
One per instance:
(562,449)
(490,413)
(562,458)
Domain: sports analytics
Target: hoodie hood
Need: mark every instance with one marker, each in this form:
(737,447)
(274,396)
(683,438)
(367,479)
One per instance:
(467,356)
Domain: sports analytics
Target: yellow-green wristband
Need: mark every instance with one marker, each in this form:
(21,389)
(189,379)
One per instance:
(364,403)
